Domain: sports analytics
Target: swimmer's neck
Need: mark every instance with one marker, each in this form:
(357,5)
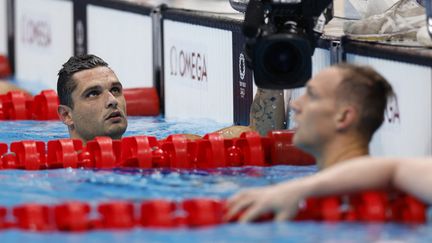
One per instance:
(343,150)
(77,137)
(74,135)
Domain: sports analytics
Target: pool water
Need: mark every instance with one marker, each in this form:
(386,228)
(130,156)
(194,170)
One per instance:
(94,186)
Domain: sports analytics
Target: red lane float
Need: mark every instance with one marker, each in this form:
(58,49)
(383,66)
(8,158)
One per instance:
(117,215)
(158,214)
(370,206)
(45,105)
(176,147)
(3,223)
(281,145)
(137,151)
(142,101)
(5,67)
(212,151)
(72,216)
(8,161)
(30,155)
(18,105)
(250,144)
(105,152)
(3,148)
(203,212)
(32,217)
(199,212)
(2,114)
(64,153)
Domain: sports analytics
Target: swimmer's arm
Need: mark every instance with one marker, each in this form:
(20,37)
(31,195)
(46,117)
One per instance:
(414,176)
(409,175)
(267,111)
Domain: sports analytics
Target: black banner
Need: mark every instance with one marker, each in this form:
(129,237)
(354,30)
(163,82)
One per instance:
(10,12)
(242,81)
(80,27)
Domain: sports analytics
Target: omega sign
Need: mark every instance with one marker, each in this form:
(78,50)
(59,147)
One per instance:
(242,66)
(392,113)
(188,64)
(35,31)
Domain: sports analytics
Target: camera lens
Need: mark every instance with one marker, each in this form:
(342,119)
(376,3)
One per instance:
(282,61)
(281,58)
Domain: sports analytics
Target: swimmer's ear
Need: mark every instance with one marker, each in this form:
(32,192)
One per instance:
(346,117)
(65,114)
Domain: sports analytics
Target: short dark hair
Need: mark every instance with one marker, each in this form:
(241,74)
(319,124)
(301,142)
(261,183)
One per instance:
(65,84)
(370,91)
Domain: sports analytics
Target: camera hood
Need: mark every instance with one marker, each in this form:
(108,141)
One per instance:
(282,61)
(281,40)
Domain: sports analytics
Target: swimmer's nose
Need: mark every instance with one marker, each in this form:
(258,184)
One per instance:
(295,105)
(112,101)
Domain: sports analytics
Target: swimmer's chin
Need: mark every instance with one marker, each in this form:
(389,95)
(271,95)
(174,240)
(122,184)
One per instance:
(117,131)
(116,134)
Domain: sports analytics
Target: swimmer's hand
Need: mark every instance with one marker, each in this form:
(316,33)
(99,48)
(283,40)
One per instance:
(281,200)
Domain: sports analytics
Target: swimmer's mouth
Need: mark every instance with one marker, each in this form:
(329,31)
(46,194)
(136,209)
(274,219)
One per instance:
(115,114)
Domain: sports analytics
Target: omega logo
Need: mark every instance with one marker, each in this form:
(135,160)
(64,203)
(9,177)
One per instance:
(242,66)
(393,115)
(36,31)
(392,111)
(188,64)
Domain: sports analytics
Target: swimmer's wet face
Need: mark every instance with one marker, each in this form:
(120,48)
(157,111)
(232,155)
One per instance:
(99,104)
(92,102)
(315,111)
(343,105)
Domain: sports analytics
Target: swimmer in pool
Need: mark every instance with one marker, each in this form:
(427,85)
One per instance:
(92,102)
(91,99)
(409,175)
(341,109)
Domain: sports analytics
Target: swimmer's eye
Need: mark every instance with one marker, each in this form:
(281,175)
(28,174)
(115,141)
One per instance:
(93,93)
(310,93)
(116,90)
